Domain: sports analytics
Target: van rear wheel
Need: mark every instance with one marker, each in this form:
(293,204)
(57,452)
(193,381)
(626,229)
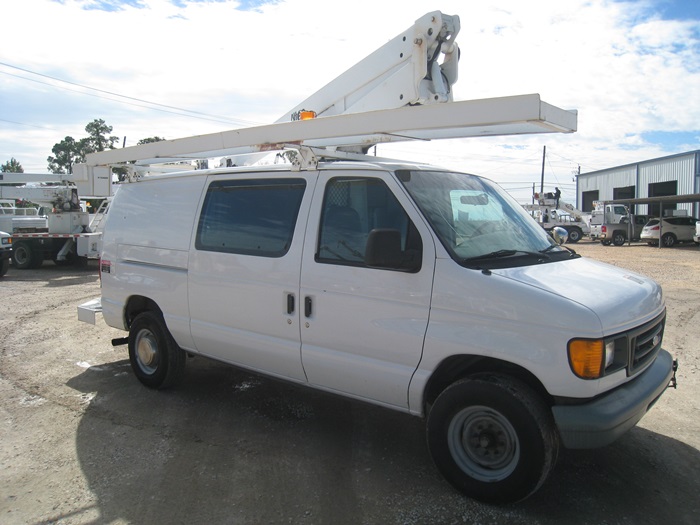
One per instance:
(156,359)
(492,438)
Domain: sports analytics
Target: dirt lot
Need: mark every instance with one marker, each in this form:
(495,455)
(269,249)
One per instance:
(81,441)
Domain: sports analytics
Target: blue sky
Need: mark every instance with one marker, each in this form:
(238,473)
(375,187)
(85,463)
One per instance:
(679,9)
(177,68)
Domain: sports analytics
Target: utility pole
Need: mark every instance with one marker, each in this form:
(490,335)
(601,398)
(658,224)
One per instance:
(544,152)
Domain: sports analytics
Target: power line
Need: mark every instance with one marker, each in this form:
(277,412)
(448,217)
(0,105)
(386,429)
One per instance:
(178,111)
(25,124)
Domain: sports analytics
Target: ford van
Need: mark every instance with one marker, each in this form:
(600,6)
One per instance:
(415,288)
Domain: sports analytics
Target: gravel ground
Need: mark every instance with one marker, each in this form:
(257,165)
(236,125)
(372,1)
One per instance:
(82,442)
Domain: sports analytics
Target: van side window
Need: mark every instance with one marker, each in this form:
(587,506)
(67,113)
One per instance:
(352,208)
(250,217)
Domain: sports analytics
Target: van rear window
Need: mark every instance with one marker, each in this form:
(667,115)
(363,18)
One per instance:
(250,217)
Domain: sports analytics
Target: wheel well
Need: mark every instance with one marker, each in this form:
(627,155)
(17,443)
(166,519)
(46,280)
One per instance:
(138,304)
(460,366)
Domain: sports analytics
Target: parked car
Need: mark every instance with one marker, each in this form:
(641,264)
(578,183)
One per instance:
(673,230)
(696,237)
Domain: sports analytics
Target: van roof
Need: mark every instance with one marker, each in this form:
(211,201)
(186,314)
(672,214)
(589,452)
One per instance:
(379,165)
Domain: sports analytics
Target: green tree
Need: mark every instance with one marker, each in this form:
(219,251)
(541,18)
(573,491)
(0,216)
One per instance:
(149,140)
(70,151)
(98,138)
(12,166)
(67,152)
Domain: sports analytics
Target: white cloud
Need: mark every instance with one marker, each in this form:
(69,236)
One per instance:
(624,68)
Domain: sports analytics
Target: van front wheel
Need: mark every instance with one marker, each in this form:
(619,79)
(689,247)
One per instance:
(156,359)
(492,438)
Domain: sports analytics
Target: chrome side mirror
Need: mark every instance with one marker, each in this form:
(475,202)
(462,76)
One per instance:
(560,234)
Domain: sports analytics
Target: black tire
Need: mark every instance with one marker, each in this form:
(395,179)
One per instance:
(23,256)
(605,243)
(668,240)
(156,359)
(4,266)
(575,235)
(619,238)
(492,438)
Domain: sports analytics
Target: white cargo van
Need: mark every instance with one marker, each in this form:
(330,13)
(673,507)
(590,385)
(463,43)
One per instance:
(411,287)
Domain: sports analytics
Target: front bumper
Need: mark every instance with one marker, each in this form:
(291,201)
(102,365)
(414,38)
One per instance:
(604,419)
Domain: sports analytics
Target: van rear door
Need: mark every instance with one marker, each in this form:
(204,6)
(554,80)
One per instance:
(363,327)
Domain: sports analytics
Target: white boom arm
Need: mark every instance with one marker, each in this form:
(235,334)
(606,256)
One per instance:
(59,197)
(95,182)
(475,118)
(400,92)
(404,71)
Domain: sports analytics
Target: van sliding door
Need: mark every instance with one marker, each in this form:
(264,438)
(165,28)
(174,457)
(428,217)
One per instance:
(244,271)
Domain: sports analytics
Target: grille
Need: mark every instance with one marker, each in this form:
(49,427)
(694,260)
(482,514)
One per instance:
(645,343)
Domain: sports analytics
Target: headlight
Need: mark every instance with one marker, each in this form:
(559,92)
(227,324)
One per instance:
(593,358)
(609,353)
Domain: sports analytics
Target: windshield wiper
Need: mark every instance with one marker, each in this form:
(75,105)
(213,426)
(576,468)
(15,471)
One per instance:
(507,253)
(552,246)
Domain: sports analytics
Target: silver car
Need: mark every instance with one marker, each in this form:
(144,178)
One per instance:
(673,230)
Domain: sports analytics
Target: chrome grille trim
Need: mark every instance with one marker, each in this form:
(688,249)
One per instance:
(644,344)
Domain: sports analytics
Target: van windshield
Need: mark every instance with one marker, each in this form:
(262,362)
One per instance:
(480,225)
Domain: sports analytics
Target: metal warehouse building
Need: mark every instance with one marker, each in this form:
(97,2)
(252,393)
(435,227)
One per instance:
(666,176)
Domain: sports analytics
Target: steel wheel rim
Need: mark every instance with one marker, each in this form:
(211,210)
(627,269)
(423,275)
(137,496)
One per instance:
(146,352)
(21,255)
(483,443)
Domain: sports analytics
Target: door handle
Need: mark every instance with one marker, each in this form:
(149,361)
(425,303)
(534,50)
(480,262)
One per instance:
(307,306)
(290,303)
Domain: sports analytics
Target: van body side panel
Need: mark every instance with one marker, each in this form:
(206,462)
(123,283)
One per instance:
(363,333)
(244,307)
(527,315)
(484,314)
(146,245)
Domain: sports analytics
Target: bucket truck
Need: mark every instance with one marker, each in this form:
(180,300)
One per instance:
(552,212)
(68,236)
(404,285)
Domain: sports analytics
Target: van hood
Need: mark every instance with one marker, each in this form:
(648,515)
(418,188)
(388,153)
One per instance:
(618,297)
